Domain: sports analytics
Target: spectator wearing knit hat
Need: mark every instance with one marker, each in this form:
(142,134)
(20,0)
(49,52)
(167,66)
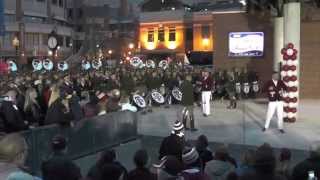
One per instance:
(219,167)
(141,159)
(284,163)
(59,166)
(264,165)
(203,150)
(193,165)
(170,169)
(173,144)
(311,164)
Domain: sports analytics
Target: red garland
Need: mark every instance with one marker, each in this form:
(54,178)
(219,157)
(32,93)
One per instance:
(286,78)
(285,54)
(293,68)
(286,109)
(294,100)
(293,78)
(293,89)
(286,68)
(293,110)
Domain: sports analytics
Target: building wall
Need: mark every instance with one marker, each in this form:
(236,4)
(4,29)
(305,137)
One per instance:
(310,61)
(178,45)
(242,22)
(39,19)
(310,46)
(199,43)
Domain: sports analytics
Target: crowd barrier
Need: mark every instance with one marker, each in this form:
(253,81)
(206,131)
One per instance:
(88,136)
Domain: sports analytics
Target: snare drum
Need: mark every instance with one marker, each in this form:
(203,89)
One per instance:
(177,95)
(138,101)
(238,88)
(246,88)
(157,98)
(255,86)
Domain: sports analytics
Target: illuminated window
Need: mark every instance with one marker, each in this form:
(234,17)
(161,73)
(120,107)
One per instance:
(161,34)
(172,34)
(205,31)
(150,35)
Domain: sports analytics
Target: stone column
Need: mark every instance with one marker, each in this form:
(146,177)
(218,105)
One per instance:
(278,42)
(292,21)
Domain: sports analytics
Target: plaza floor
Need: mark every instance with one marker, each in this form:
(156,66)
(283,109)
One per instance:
(240,129)
(241,126)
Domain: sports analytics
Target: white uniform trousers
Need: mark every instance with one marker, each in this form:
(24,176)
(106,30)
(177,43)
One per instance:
(206,95)
(272,107)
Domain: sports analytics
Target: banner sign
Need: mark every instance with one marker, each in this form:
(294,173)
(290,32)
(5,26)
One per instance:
(243,44)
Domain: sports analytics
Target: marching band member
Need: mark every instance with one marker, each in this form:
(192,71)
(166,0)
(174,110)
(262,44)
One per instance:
(275,89)
(231,90)
(206,92)
(187,101)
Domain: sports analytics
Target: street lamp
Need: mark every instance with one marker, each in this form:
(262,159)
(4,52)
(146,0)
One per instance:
(131,46)
(110,53)
(16,44)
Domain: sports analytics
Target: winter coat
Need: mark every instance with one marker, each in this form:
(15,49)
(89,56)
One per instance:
(194,174)
(12,118)
(218,170)
(59,167)
(171,145)
(57,114)
(300,171)
(187,93)
(141,173)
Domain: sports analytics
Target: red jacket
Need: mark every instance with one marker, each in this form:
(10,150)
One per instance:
(4,68)
(275,93)
(207,84)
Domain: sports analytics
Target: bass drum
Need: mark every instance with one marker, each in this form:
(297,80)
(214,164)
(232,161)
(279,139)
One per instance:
(157,98)
(177,96)
(138,101)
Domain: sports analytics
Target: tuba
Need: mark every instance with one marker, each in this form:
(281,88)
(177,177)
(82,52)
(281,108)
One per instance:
(47,64)
(85,65)
(135,62)
(150,64)
(163,64)
(63,66)
(96,64)
(12,66)
(37,65)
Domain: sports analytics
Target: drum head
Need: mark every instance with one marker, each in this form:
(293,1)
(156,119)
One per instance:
(139,101)
(246,88)
(177,94)
(157,97)
(255,87)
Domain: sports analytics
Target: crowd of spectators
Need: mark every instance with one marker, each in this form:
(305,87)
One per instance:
(179,159)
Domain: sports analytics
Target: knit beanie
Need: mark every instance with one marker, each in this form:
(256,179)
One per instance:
(190,155)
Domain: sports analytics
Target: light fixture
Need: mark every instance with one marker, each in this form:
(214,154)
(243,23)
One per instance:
(131,46)
(173,8)
(150,45)
(172,45)
(243,2)
(50,53)
(110,51)
(97,45)
(205,41)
